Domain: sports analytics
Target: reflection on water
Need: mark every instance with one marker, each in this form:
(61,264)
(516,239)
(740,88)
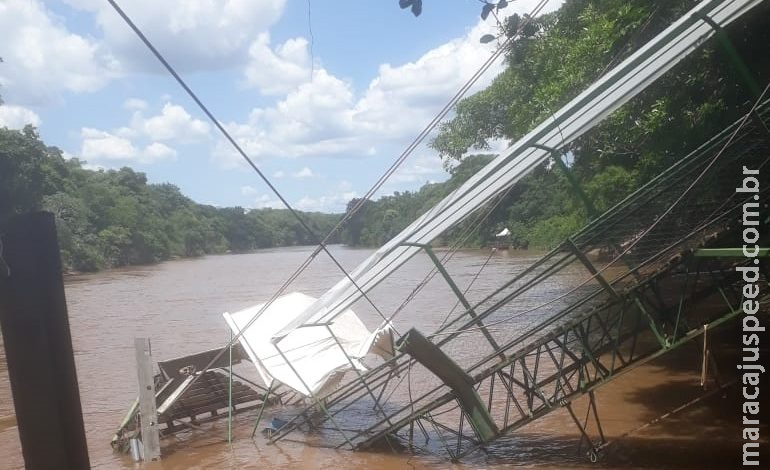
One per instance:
(179,305)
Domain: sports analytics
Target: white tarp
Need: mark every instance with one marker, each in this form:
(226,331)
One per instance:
(312,352)
(503,233)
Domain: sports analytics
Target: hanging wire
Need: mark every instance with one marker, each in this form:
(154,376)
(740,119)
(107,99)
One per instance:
(321,244)
(404,155)
(468,287)
(312,41)
(563,146)
(644,234)
(641,236)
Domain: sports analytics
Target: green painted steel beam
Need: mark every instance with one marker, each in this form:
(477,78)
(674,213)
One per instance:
(456,290)
(735,59)
(590,267)
(581,194)
(729,253)
(432,357)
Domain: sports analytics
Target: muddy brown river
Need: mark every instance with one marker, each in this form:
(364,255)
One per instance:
(179,304)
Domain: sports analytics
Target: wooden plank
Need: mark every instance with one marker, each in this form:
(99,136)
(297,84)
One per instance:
(203,409)
(197,362)
(148,413)
(38,346)
(178,423)
(182,405)
(216,391)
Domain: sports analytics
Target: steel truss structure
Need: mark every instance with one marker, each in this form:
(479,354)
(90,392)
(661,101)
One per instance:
(654,295)
(512,357)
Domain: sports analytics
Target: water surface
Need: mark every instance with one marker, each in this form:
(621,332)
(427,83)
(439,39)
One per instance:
(179,304)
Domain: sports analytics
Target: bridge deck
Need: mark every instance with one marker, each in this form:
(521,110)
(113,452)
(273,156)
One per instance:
(651,297)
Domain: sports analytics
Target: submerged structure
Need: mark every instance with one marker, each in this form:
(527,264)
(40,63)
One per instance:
(310,361)
(182,405)
(651,283)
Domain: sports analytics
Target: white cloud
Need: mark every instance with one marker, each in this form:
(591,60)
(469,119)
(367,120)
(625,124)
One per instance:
(327,203)
(280,70)
(279,174)
(135,104)
(421,88)
(422,169)
(100,145)
(158,151)
(145,139)
(193,35)
(248,190)
(326,117)
(42,59)
(16,117)
(305,172)
(173,123)
(103,148)
(314,119)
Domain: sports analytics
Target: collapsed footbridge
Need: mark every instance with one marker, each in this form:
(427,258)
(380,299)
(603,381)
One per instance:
(664,290)
(655,271)
(658,272)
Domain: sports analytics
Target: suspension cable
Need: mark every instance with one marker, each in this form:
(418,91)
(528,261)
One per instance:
(321,243)
(631,245)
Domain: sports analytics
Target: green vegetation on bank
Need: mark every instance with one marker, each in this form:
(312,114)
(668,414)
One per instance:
(559,55)
(115,218)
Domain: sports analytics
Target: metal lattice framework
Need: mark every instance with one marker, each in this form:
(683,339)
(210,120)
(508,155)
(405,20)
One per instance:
(651,297)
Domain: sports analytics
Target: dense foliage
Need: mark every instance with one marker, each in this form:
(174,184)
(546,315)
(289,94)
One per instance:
(378,221)
(115,218)
(556,57)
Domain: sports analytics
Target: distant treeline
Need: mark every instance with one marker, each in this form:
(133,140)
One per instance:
(115,218)
(378,221)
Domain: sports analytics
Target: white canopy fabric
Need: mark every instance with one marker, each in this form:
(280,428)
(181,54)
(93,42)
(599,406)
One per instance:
(312,352)
(503,233)
(578,116)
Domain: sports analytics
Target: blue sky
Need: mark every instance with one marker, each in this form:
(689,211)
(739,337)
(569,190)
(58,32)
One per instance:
(322,125)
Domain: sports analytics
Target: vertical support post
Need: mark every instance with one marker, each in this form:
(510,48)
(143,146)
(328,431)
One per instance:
(358,374)
(653,326)
(556,155)
(38,346)
(591,269)
(732,55)
(149,415)
(262,408)
(230,391)
(704,366)
(314,397)
(456,290)
(595,410)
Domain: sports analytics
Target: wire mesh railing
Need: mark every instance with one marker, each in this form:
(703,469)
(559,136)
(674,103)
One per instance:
(631,234)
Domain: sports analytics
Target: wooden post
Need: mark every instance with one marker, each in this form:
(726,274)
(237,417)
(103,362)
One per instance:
(38,346)
(148,413)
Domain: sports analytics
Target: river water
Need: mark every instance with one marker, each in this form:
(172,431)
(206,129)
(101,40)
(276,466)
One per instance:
(179,304)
